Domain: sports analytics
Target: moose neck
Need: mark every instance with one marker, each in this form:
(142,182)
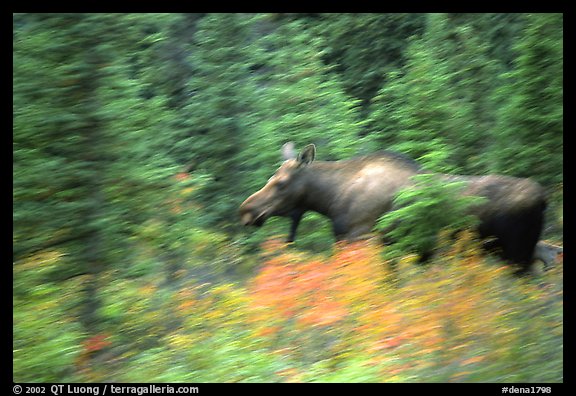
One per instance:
(322,180)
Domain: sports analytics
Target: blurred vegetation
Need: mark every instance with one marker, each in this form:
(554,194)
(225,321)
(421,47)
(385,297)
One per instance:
(137,136)
(431,208)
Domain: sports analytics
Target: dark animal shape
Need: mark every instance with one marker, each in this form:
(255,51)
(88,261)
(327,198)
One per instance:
(354,193)
(512,218)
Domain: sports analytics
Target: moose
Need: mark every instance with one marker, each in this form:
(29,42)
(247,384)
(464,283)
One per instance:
(354,193)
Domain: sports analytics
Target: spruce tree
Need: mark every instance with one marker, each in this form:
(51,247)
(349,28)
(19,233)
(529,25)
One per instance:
(439,108)
(416,112)
(215,121)
(364,47)
(300,99)
(86,172)
(529,133)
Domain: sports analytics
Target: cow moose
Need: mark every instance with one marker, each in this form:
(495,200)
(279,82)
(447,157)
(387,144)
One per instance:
(354,193)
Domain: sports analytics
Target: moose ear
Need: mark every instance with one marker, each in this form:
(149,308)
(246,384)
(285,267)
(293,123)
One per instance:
(288,151)
(307,155)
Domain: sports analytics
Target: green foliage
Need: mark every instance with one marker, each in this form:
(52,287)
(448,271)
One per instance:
(438,109)
(46,339)
(300,100)
(418,111)
(137,136)
(214,120)
(82,138)
(364,47)
(219,359)
(530,127)
(430,207)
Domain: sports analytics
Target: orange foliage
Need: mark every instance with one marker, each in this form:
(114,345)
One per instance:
(343,290)
(450,308)
(458,312)
(315,292)
(97,343)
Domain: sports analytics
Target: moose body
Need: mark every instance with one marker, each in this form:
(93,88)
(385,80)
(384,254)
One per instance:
(512,216)
(349,192)
(354,193)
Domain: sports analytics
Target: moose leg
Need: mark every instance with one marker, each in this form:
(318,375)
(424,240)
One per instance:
(517,236)
(547,253)
(296,216)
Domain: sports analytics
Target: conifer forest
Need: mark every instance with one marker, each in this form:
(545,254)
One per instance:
(137,137)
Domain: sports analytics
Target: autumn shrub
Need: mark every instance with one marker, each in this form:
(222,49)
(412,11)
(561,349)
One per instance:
(131,310)
(213,341)
(459,319)
(347,316)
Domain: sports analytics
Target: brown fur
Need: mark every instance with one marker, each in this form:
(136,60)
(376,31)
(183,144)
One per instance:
(349,192)
(512,216)
(354,193)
